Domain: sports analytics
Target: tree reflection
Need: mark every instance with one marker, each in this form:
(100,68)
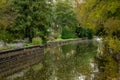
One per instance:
(74,60)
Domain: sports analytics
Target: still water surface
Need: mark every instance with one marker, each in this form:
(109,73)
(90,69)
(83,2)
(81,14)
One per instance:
(70,62)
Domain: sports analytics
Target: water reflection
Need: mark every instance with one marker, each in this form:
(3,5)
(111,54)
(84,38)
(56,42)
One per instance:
(69,62)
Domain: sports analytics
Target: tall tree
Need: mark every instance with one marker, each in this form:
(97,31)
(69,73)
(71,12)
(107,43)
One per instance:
(7,17)
(101,16)
(65,16)
(104,18)
(32,16)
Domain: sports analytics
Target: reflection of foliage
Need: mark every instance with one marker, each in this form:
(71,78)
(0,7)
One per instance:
(67,48)
(107,65)
(85,47)
(65,68)
(85,53)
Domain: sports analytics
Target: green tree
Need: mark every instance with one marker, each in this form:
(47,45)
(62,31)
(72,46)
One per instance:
(89,33)
(67,33)
(65,15)
(80,32)
(7,18)
(32,19)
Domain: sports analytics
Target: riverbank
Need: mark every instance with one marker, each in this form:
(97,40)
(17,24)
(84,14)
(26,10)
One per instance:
(24,44)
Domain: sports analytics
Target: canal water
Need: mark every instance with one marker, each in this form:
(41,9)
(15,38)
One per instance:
(74,61)
(70,62)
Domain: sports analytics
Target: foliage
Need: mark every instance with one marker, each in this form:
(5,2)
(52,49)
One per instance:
(36,41)
(114,44)
(67,33)
(62,15)
(65,15)
(82,32)
(89,33)
(35,18)
(32,17)
(6,19)
(6,14)
(103,17)
(100,14)
(6,36)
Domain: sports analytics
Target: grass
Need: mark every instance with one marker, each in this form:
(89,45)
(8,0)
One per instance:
(36,41)
(63,39)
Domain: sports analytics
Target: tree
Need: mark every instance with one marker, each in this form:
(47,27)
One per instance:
(82,32)
(67,33)
(32,16)
(89,33)
(103,17)
(7,18)
(6,15)
(65,15)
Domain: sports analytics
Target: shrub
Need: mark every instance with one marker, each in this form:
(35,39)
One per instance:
(82,32)
(89,33)
(67,34)
(36,41)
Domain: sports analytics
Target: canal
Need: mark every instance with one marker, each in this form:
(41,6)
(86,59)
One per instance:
(70,62)
(75,61)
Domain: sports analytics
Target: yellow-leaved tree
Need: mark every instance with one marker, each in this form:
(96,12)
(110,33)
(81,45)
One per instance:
(103,16)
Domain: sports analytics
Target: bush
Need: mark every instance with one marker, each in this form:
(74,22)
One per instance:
(82,32)
(89,34)
(67,34)
(5,36)
(37,41)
